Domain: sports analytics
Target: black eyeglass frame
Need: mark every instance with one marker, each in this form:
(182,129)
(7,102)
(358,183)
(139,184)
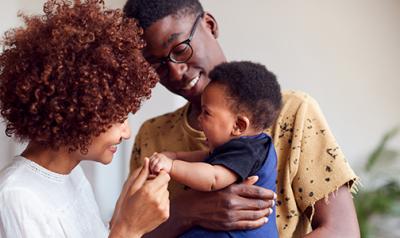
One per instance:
(168,58)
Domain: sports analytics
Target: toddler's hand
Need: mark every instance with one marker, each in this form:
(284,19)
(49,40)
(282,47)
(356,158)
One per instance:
(160,162)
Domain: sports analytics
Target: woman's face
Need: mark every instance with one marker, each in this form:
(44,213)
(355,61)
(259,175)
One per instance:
(104,146)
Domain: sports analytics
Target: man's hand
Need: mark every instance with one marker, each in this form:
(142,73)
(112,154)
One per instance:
(237,207)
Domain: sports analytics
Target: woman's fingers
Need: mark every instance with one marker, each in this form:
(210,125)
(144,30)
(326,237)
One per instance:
(164,201)
(131,179)
(122,197)
(141,177)
(160,182)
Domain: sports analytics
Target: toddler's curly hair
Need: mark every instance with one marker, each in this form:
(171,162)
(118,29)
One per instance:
(252,89)
(71,73)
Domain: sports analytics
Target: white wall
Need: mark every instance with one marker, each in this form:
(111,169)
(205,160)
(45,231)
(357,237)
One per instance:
(7,19)
(344,53)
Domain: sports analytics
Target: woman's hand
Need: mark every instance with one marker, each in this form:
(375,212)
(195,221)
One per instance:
(143,204)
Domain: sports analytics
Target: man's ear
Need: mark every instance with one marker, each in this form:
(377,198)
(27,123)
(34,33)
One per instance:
(241,125)
(211,24)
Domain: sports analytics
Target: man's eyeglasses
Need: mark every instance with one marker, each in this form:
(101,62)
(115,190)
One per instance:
(181,52)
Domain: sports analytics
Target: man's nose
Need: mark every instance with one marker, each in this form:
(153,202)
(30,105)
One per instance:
(177,70)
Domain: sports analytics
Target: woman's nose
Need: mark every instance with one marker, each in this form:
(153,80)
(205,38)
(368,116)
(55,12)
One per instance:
(125,130)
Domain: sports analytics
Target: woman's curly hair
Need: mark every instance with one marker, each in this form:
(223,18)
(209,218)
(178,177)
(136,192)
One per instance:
(71,73)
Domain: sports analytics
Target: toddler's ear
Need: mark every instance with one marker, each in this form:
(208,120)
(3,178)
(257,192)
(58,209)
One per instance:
(241,125)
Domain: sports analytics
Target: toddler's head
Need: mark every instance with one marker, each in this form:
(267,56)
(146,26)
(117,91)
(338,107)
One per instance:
(242,99)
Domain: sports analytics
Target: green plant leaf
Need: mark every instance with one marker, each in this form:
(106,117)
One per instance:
(376,154)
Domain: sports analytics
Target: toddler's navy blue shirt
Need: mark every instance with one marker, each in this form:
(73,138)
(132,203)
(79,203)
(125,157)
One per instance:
(244,155)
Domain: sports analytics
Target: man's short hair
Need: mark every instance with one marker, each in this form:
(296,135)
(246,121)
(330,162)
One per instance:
(253,90)
(149,11)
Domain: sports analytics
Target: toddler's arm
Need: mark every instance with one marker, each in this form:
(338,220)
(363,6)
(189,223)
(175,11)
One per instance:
(189,156)
(197,175)
(202,176)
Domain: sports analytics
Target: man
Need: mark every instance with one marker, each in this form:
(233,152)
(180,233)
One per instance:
(313,177)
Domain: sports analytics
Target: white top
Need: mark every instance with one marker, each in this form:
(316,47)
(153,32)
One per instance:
(38,203)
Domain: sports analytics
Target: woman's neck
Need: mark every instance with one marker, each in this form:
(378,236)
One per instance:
(58,161)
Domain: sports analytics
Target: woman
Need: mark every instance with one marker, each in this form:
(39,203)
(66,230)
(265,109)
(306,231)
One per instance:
(67,83)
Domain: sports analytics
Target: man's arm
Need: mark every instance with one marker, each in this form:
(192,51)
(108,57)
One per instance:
(335,218)
(237,207)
